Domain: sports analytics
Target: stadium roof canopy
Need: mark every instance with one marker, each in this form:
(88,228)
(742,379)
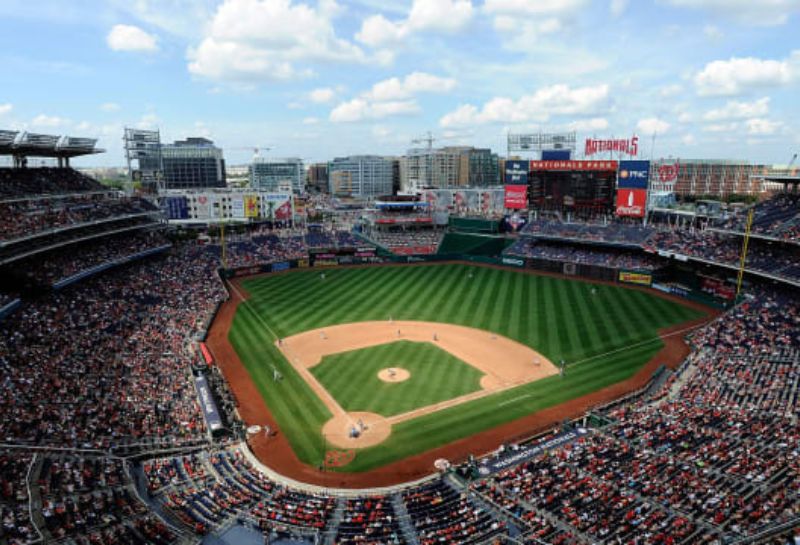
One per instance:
(29,144)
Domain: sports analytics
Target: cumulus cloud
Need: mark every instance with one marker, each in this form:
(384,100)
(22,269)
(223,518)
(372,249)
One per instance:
(522,23)
(310,121)
(761,13)
(652,125)
(6,108)
(265,40)
(360,109)
(393,96)
(537,107)
(48,121)
(110,107)
(444,16)
(738,75)
(322,95)
(734,109)
(131,38)
(763,127)
(589,125)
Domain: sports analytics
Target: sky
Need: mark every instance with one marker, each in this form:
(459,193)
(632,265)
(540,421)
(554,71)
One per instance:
(319,79)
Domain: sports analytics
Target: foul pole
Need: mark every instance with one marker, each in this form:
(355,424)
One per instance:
(743,258)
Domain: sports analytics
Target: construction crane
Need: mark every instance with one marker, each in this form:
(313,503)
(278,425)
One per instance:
(428,139)
(254,149)
(789,166)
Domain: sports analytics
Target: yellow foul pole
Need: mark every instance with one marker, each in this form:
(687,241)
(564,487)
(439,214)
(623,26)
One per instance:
(743,258)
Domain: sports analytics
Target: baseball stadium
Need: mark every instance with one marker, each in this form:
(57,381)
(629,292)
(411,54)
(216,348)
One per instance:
(460,366)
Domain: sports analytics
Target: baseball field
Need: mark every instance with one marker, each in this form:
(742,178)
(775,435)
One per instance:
(388,362)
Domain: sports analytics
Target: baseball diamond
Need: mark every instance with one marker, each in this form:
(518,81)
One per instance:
(329,338)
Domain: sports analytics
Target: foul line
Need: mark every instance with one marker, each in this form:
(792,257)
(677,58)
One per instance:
(635,345)
(304,373)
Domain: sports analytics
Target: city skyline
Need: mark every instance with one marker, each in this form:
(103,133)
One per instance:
(317,80)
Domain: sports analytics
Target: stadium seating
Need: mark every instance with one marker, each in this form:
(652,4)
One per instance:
(104,367)
(16,182)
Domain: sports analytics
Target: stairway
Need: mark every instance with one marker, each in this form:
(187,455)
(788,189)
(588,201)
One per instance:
(407,527)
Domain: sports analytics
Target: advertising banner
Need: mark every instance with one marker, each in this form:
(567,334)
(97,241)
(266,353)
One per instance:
(177,208)
(633,174)
(277,206)
(556,155)
(572,165)
(630,277)
(203,207)
(210,412)
(237,206)
(251,206)
(631,202)
(510,457)
(516,172)
(516,197)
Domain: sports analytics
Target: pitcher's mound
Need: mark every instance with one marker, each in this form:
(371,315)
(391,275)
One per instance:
(356,430)
(394,374)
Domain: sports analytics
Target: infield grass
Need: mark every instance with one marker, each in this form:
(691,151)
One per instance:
(604,338)
(436,375)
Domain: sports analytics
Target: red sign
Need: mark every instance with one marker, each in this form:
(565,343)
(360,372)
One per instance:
(206,353)
(631,202)
(516,197)
(628,146)
(573,165)
(668,173)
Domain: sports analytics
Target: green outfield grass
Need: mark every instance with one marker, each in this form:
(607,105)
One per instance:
(604,338)
(436,375)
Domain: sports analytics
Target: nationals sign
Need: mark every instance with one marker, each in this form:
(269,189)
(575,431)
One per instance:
(516,197)
(631,202)
(573,165)
(628,146)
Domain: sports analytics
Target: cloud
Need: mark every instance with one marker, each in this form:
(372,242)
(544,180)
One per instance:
(360,109)
(131,38)
(538,107)
(737,75)
(688,140)
(110,107)
(322,95)
(6,108)
(618,7)
(589,125)
(763,126)
(739,110)
(393,96)
(521,23)
(257,40)
(652,125)
(441,16)
(671,90)
(416,82)
(48,121)
(748,12)
(310,121)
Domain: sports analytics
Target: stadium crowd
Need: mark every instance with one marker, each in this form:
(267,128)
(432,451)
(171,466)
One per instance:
(23,218)
(778,217)
(408,241)
(106,362)
(22,182)
(605,257)
(65,263)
